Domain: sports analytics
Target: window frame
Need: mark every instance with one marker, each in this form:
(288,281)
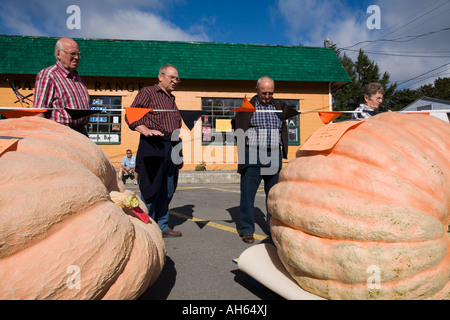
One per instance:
(217,109)
(104,103)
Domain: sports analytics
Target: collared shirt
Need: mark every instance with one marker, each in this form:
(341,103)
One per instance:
(58,88)
(366,113)
(155,98)
(265,127)
(129,162)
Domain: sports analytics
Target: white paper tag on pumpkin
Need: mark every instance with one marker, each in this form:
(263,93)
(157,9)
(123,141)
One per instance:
(7,144)
(326,137)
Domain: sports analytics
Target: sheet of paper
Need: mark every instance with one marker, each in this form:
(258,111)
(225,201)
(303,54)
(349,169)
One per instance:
(326,137)
(261,262)
(223,125)
(7,145)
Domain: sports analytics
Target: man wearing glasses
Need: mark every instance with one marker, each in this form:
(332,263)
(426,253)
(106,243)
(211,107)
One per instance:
(60,86)
(157,171)
(266,143)
(128,167)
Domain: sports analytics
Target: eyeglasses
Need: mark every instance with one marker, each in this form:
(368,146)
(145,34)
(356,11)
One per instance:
(172,78)
(72,54)
(267,93)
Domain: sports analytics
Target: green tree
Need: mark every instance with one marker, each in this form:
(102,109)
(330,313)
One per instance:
(440,90)
(361,72)
(403,98)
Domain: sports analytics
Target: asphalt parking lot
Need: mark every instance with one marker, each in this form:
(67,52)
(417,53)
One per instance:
(199,264)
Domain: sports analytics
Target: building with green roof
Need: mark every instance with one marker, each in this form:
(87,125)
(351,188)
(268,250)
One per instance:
(215,78)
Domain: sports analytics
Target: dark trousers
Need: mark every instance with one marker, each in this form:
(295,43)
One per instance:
(251,177)
(158,177)
(159,207)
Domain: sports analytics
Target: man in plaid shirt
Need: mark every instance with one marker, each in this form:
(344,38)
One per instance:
(261,157)
(60,86)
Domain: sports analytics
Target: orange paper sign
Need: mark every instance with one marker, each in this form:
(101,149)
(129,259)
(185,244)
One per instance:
(326,137)
(8,145)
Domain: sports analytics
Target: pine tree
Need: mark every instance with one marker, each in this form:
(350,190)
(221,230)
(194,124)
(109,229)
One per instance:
(440,90)
(362,72)
(402,98)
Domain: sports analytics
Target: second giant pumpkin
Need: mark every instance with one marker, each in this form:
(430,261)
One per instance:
(368,218)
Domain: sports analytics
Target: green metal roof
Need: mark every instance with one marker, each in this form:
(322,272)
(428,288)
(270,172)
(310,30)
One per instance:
(195,60)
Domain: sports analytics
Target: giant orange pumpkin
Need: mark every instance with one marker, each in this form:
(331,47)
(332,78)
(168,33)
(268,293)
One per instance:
(61,236)
(368,218)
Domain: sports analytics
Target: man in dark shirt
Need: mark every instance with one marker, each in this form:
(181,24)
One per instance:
(158,173)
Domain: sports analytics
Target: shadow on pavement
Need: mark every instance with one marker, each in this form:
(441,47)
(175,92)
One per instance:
(160,290)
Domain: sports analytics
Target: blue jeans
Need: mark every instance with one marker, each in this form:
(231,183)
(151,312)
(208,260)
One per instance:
(159,209)
(251,178)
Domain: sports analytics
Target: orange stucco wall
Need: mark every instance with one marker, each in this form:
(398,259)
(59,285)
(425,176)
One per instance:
(312,96)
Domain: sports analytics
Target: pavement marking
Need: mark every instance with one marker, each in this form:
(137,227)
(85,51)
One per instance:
(189,188)
(210,223)
(219,189)
(213,224)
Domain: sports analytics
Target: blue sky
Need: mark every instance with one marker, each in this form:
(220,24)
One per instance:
(417,30)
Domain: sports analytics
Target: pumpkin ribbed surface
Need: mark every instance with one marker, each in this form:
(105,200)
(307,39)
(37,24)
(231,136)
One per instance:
(379,198)
(61,236)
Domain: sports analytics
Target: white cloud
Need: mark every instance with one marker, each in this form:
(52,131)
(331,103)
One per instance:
(306,22)
(309,22)
(132,19)
(403,20)
(134,25)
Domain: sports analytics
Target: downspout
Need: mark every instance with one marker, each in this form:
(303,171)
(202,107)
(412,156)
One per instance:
(330,99)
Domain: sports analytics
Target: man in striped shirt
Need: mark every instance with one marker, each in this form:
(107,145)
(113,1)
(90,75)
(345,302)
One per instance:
(60,86)
(157,172)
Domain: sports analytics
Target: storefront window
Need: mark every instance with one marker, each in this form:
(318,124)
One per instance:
(293,124)
(105,126)
(216,124)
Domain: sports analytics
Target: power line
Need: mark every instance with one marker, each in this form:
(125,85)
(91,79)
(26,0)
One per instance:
(408,38)
(416,19)
(420,24)
(411,54)
(441,73)
(423,79)
(413,19)
(437,75)
(423,74)
(396,34)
